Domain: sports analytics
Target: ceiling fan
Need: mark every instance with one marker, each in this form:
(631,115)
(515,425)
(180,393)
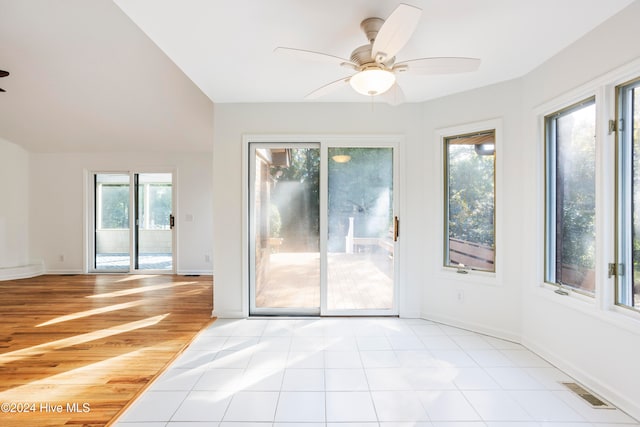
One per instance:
(375,63)
(3,74)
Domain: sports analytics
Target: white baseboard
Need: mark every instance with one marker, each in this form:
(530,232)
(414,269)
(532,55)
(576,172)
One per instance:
(228,314)
(410,315)
(475,327)
(194,272)
(61,271)
(22,271)
(631,407)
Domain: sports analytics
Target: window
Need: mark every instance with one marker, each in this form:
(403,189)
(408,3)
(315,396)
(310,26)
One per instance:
(628,192)
(470,201)
(570,168)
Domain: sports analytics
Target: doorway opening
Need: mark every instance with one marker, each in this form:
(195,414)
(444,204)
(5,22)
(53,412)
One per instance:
(133,223)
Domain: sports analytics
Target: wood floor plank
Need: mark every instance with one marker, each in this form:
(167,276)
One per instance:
(76,350)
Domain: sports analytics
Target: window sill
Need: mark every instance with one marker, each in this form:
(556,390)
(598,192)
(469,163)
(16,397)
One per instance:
(489,278)
(573,293)
(620,317)
(631,315)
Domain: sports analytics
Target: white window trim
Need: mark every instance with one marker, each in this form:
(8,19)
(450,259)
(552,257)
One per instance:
(579,104)
(491,278)
(602,305)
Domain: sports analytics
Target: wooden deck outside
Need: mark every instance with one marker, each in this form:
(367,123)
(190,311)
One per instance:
(75,350)
(356,281)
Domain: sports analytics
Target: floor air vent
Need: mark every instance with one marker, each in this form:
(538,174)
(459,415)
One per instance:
(587,396)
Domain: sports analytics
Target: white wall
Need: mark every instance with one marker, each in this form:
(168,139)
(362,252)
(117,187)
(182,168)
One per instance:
(14,211)
(234,120)
(470,300)
(588,339)
(58,188)
(425,290)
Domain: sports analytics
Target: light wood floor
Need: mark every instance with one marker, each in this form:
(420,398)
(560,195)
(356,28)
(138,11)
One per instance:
(91,343)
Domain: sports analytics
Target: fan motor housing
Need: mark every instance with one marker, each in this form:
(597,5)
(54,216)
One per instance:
(362,56)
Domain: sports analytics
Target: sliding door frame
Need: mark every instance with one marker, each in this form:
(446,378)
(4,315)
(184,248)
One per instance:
(91,216)
(252,227)
(350,142)
(323,142)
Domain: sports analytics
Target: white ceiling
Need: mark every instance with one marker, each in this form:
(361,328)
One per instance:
(226,47)
(84,77)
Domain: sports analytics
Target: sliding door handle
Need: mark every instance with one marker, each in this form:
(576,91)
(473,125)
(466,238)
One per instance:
(396,228)
(172,221)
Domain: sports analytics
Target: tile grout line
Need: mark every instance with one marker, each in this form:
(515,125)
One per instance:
(457,387)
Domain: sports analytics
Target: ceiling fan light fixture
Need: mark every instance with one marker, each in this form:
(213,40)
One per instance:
(372,82)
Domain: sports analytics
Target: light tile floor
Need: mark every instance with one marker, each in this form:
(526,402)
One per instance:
(359,372)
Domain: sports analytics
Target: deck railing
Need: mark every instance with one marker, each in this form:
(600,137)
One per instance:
(471,254)
(482,257)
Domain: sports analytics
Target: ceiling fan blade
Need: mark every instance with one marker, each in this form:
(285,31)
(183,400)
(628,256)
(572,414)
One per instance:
(438,65)
(4,73)
(2,90)
(394,96)
(328,88)
(314,56)
(395,32)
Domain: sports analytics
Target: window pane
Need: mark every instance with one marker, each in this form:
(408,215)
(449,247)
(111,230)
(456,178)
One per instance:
(155,238)
(159,206)
(112,222)
(628,292)
(571,197)
(115,206)
(286,222)
(154,201)
(360,241)
(470,207)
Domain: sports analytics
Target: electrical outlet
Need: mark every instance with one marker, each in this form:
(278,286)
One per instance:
(460,295)
(61,258)
(207,258)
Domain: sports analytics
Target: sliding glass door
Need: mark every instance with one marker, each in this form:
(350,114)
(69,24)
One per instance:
(322,229)
(285,229)
(112,221)
(361,227)
(133,222)
(153,222)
